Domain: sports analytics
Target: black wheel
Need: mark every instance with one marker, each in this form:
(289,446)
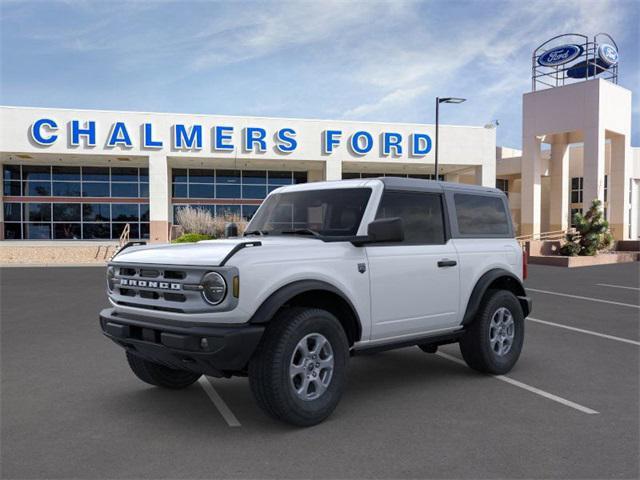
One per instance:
(494,340)
(159,375)
(298,372)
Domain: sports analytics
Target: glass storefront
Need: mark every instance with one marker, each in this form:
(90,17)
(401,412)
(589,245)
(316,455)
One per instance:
(243,190)
(351,175)
(63,213)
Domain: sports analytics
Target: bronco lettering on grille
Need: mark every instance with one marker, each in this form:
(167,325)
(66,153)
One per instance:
(129,282)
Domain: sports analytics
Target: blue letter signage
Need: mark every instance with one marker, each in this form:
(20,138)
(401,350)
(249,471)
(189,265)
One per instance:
(37,134)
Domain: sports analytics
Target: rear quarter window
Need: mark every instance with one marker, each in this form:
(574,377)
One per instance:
(479,215)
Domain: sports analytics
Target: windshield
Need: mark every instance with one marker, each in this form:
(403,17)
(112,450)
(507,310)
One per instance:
(327,212)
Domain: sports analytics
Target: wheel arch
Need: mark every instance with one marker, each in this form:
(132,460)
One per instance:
(312,293)
(498,279)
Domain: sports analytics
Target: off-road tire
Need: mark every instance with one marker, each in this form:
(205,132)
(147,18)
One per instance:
(159,375)
(475,344)
(269,367)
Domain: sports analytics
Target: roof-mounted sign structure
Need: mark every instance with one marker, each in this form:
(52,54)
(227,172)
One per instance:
(573,57)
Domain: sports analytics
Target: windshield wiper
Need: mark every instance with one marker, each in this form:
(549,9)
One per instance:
(256,232)
(301,231)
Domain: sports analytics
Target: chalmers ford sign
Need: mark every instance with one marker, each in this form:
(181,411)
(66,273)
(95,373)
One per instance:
(45,132)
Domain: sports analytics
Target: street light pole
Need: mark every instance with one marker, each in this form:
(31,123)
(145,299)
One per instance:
(435,176)
(438,102)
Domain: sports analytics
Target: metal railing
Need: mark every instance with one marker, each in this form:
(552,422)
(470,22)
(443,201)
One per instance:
(541,236)
(124,236)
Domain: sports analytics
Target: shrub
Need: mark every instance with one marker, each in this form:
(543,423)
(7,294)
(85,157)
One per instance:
(192,238)
(591,235)
(200,221)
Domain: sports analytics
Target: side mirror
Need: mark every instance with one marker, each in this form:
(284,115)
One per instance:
(381,231)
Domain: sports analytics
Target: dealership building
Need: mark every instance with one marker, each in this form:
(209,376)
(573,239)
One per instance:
(86,174)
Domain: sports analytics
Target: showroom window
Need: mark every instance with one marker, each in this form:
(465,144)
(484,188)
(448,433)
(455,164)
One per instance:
(114,197)
(209,188)
(351,175)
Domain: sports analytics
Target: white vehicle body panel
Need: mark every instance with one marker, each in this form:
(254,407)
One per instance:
(402,291)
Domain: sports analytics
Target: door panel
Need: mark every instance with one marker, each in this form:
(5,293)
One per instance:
(410,293)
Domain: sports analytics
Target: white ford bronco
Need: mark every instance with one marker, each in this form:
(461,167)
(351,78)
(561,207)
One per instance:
(325,271)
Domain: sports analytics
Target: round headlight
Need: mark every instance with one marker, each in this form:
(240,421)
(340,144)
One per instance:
(214,288)
(111,273)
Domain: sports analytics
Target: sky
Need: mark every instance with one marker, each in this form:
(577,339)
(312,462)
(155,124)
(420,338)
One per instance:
(351,60)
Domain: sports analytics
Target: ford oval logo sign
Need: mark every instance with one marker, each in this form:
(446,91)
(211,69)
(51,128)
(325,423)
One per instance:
(560,55)
(608,54)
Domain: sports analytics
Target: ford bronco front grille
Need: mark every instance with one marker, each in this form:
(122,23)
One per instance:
(174,289)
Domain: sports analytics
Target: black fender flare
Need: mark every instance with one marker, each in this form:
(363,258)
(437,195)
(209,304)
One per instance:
(510,282)
(280,297)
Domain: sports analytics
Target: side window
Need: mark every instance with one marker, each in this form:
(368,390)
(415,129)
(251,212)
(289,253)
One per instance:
(421,215)
(481,215)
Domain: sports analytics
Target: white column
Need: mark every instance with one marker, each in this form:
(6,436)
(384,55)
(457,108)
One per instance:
(531,186)
(486,174)
(559,205)
(333,169)
(593,167)
(619,185)
(159,198)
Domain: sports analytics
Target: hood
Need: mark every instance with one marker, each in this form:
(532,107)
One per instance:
(205,253)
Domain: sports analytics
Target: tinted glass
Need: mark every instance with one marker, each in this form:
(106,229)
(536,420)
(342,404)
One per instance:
(144,190)
(197,190)
(95,189)
(254,177)
(299,177)
(124,190)
(481,215)
(12,212)
(227,176)
(349,176)
(144,174)
(66,173)
(66,189)
(37,212)
(66,212)
(12,231)
(421,215)
(37,189)
(12,189)
(96,212)
(11,172)
(70,231)
(248,211)
(33,172)
(197,175)
(124,212)
(179,175)
(117,228)
(253,191)
(100,174)
(280,178)
(144,230)
(96,230)
(179,190)
(124,174)
(330,212)
(228,191)
(228,210)
(144,212)
(37,231)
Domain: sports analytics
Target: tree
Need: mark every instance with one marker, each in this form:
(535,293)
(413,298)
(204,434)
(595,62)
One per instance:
(592,233)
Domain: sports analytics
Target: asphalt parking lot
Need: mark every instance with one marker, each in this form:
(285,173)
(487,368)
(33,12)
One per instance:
(70,407)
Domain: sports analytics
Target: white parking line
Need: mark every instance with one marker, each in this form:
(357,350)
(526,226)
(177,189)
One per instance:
(589,332)
(217,400)
(617,286)
(584,298)
(524,386)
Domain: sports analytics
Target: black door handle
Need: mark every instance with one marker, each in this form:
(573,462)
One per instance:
(447,263)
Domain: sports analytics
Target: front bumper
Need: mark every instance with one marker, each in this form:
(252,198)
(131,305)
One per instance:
(226,351)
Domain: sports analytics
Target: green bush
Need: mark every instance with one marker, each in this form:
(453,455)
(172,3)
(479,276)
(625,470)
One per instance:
(192,238)
(591,235)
